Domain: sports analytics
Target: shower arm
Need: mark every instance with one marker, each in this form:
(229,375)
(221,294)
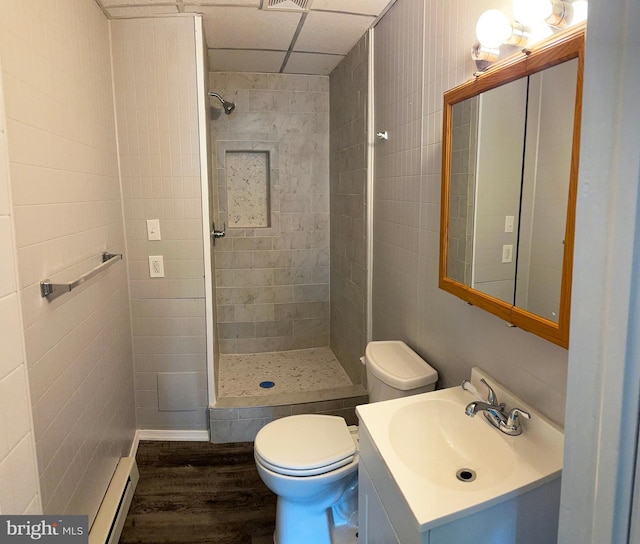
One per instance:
(228,107)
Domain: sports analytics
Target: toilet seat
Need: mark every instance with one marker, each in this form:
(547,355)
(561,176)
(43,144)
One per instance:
(305,445)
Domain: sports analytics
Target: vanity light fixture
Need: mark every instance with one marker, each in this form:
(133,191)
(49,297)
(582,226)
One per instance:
(535,20)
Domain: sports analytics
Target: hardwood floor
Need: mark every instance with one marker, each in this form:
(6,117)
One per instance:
(197,492)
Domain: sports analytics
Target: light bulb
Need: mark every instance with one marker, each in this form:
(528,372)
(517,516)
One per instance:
(579,11)
(493,28)
(531,12)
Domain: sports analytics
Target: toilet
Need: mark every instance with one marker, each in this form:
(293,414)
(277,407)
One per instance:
(310,461)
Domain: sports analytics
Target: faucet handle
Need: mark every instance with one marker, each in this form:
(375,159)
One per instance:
(512,419)
(491,396)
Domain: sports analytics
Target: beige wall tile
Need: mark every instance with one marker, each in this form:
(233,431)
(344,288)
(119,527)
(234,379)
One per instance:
(64,171)
(20,484)
(20,491)
(158,137)
(7,273)
(10,334)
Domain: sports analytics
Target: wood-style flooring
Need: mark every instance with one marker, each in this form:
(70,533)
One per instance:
(197,492)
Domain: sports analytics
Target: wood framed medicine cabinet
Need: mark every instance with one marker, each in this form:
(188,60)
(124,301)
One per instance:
(511,141)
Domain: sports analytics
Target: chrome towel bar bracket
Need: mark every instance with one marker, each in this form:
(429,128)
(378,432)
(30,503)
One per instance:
(50,290)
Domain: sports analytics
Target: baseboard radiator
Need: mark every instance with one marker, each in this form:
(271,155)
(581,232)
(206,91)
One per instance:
(107,527)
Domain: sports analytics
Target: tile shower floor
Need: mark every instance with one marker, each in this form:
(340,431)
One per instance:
(290,371)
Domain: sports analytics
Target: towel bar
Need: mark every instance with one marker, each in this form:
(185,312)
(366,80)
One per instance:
(51,290)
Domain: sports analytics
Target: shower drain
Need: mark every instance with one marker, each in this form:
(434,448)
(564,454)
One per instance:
(466,475)
(267,385)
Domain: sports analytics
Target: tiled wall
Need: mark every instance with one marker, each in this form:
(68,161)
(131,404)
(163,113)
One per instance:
(421,50)
(397,187)
(349,97)
(67,210)
(19,492)
(155,87)
(272,284)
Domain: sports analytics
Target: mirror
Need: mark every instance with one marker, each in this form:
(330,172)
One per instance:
(510,157)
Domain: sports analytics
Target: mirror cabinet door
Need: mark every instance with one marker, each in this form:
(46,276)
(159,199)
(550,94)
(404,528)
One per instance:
(545,189)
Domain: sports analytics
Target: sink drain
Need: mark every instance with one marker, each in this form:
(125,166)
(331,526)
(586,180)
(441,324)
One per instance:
(466,475)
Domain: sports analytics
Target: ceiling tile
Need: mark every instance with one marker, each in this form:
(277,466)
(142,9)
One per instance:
(135,3)
(141,11)
(368,7)
(248,28)
(331,32)
(312,63)
(225,60)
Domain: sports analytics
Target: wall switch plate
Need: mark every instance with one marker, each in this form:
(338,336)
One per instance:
(156,266)
(508,223)
(507,253)
(153,229)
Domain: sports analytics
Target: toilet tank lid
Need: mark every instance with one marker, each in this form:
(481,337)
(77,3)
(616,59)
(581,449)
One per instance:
(396,364)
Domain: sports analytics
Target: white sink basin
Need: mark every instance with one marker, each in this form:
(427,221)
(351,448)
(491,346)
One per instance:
(435,439)
(425,440)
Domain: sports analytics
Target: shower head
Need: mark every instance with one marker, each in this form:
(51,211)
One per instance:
(227,106)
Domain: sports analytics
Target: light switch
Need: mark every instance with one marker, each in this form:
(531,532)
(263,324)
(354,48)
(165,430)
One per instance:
(508,223)
(153,229)
(507,253)
(156,266)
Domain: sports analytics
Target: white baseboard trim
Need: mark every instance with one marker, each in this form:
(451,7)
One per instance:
(173,435)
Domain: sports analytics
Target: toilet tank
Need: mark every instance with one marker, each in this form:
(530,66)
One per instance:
(394,370)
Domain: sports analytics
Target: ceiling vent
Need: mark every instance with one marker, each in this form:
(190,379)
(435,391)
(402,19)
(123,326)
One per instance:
(286,5)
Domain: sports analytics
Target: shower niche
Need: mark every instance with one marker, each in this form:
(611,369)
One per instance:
(247,186)
(247,180)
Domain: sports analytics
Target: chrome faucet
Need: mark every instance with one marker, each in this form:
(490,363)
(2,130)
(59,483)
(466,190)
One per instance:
(495,414)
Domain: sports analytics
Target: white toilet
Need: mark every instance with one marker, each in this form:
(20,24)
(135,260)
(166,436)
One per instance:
(311,461)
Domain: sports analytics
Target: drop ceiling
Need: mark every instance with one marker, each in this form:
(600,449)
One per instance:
(292,37)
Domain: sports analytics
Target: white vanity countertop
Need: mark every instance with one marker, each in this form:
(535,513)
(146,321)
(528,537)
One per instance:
(423,446)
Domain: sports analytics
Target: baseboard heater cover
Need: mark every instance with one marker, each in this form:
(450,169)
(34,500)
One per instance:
(107,527)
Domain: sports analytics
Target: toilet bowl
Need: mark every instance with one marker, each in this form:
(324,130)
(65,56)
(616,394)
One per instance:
(310,461)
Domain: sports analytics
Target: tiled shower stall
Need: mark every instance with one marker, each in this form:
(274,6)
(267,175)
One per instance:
(297,282)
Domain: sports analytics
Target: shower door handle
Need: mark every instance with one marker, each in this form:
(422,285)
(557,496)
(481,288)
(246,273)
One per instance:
(218,233)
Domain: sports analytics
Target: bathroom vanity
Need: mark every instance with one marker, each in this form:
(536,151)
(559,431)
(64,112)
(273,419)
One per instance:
(429,474)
